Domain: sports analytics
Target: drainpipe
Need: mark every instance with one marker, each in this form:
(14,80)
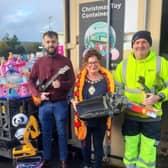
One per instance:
(108,35)
(145,14)
(67,25)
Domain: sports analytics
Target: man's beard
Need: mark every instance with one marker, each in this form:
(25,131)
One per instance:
(53,52)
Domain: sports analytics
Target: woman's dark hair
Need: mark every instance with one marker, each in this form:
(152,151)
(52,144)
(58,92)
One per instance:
(90,53)
(50,33)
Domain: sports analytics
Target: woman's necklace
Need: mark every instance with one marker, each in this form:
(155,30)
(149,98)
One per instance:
(80,82)
(92,88)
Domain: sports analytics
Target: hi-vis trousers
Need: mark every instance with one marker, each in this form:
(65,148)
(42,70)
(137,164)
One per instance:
(141,140)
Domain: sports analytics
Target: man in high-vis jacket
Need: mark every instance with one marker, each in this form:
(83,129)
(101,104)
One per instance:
(143,78)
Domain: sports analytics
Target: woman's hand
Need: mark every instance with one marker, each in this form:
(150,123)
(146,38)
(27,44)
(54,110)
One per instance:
(74,103)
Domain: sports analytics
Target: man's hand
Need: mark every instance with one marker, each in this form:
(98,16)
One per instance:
(151,99)
(56,84)
(44,96)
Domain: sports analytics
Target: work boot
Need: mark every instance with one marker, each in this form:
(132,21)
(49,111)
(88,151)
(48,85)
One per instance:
(63,164)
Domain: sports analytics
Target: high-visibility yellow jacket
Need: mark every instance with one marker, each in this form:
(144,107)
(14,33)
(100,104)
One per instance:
(154,70)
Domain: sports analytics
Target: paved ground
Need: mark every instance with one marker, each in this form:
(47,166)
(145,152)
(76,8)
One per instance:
(7,163)
(74,161)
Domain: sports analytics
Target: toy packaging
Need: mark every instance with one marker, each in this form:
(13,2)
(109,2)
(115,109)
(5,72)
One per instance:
(30,162)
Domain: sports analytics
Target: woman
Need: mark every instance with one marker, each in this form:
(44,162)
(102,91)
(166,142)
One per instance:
(93,80)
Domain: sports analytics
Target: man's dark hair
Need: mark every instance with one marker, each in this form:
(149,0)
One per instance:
(50,33)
